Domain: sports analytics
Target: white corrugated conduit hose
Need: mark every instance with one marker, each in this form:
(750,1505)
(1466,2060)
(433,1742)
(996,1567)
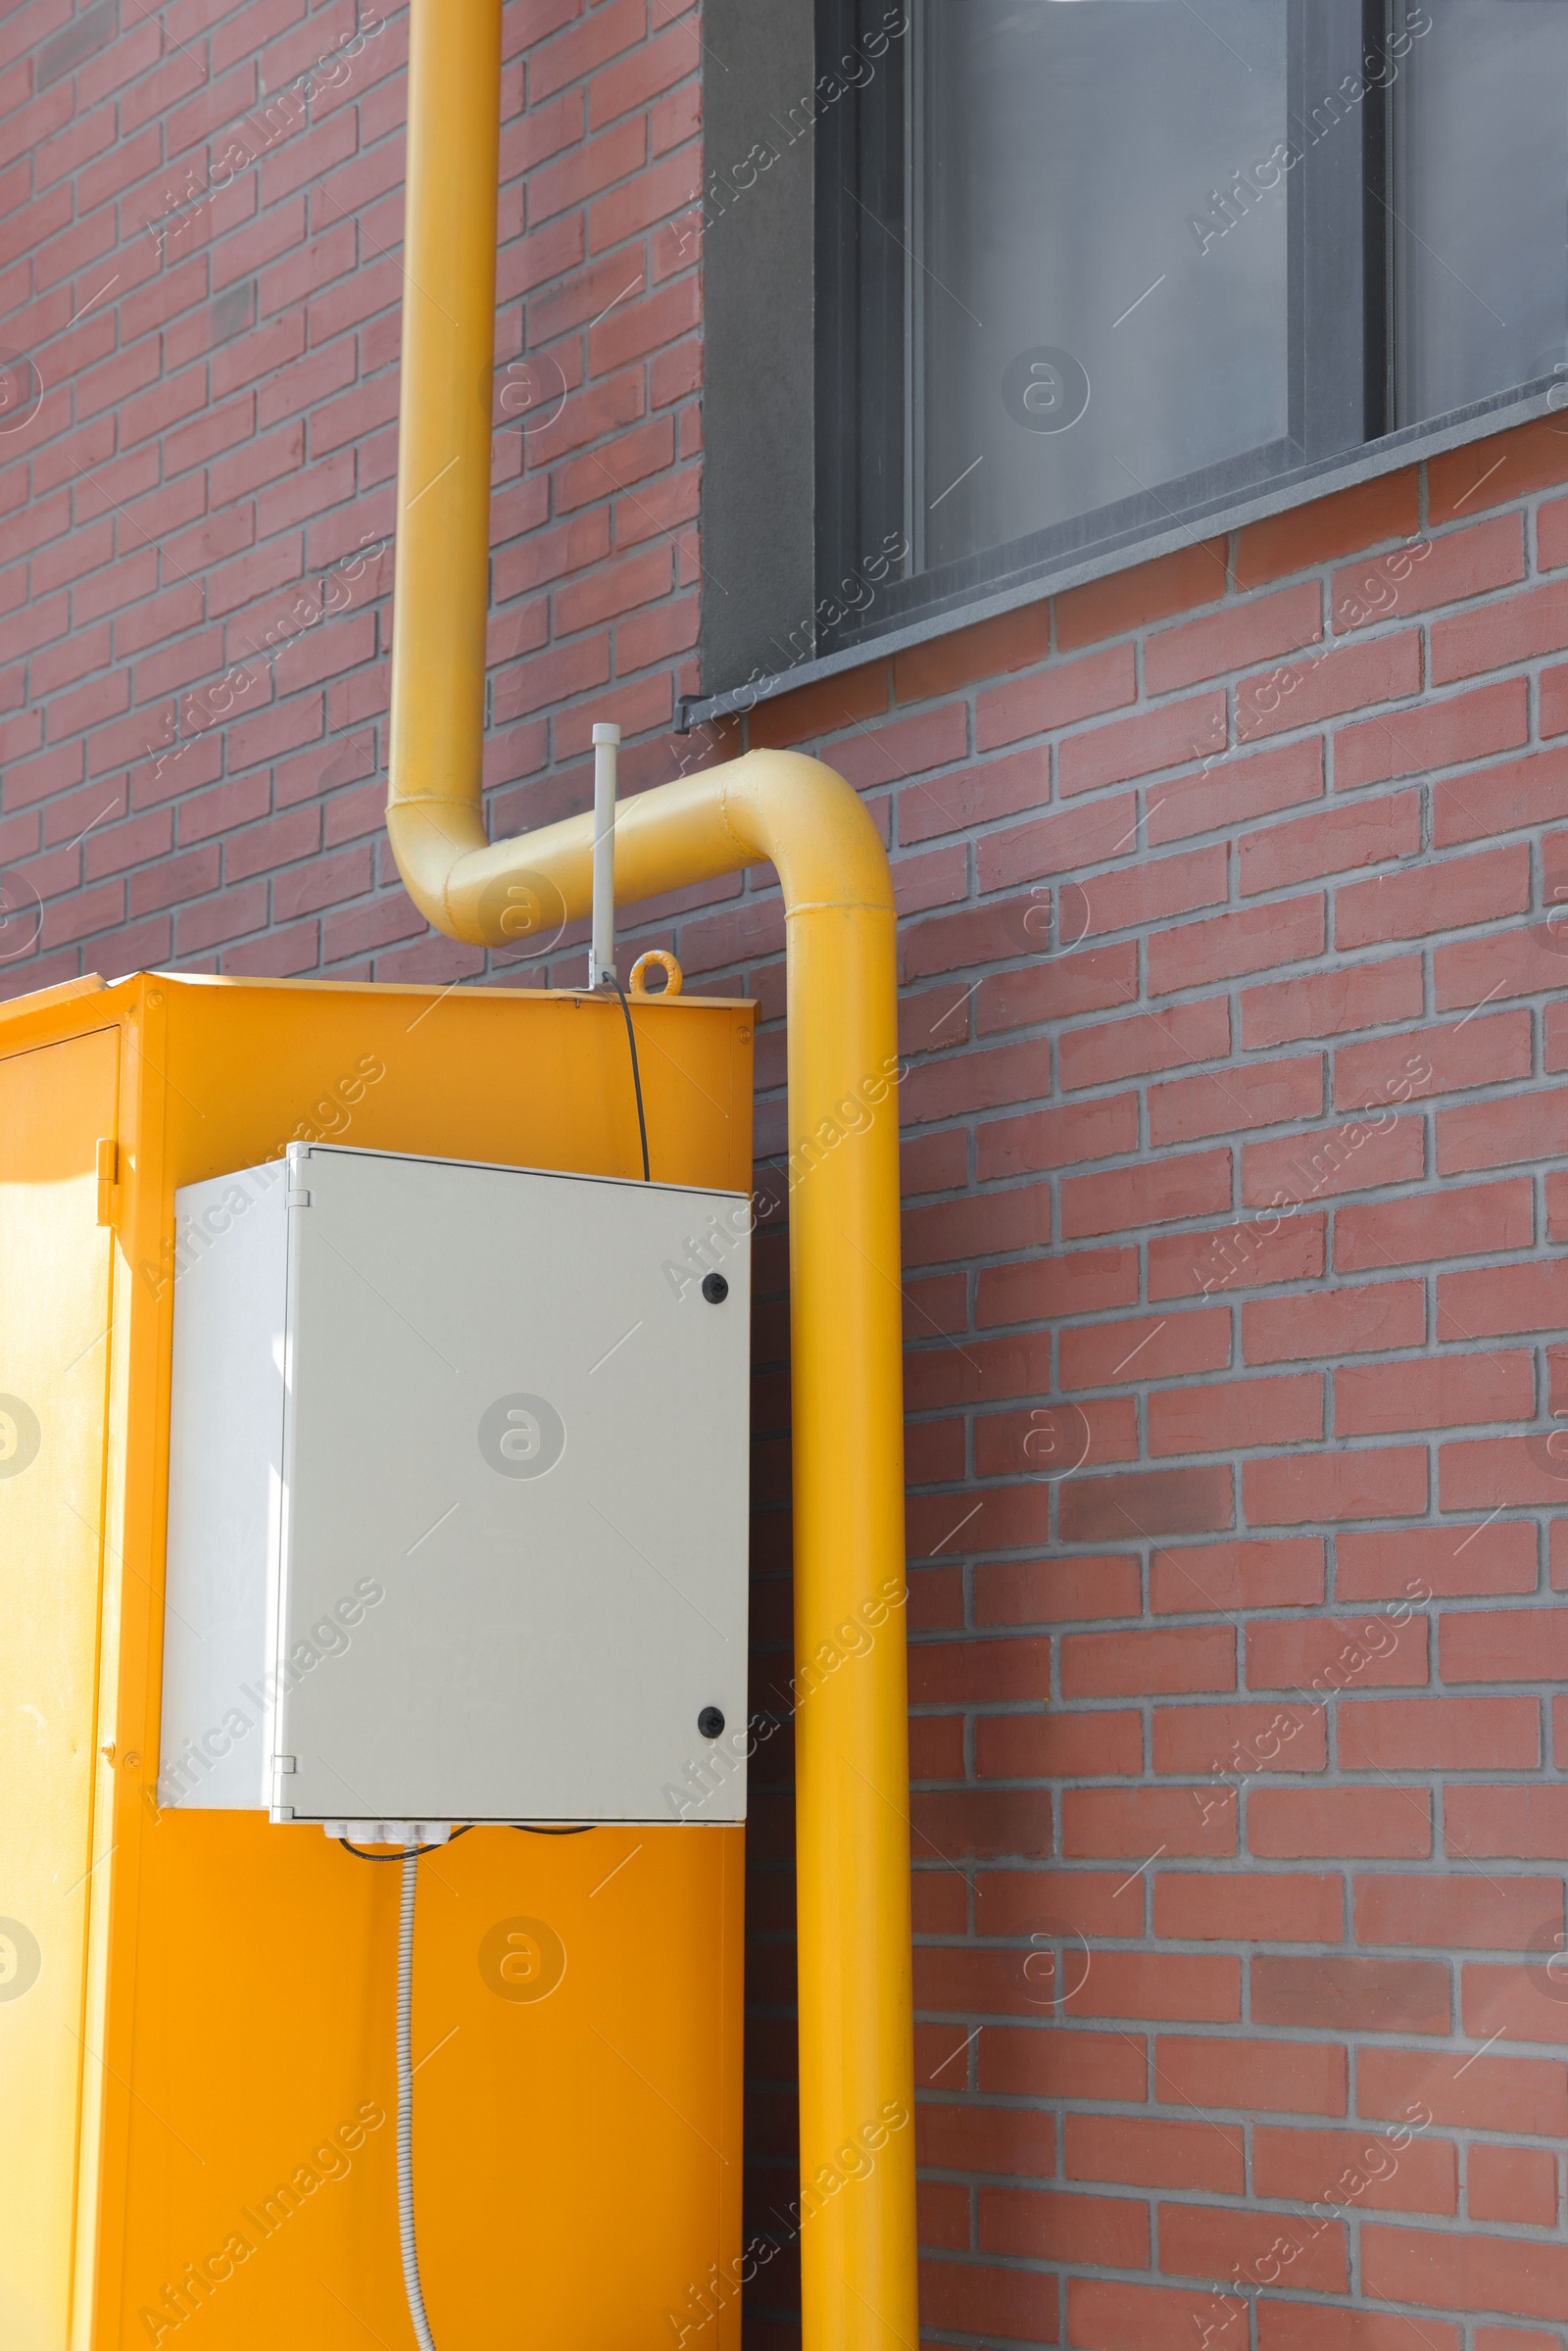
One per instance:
(411,2255)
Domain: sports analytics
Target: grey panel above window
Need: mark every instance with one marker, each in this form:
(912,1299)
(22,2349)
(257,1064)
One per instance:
(754,230)
(1089,268)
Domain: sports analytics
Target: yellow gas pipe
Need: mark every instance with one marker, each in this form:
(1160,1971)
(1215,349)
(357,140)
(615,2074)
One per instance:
(857,2243)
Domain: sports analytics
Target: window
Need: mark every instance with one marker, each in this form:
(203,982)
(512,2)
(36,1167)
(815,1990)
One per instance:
(1090,270)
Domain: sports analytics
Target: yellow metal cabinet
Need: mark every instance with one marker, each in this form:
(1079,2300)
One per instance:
(196,2010)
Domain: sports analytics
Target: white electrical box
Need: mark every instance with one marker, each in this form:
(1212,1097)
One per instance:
(458,1495)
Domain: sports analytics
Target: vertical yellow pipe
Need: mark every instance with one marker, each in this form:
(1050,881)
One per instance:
(857,2236)
(858,2271)
(448,381)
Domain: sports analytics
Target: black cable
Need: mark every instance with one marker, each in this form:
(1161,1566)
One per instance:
(402,1850)
(523,1829)
(636,1074)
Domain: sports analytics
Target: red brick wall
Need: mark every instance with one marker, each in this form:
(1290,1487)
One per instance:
(1234,1123)
(196,616)
(1233,1143)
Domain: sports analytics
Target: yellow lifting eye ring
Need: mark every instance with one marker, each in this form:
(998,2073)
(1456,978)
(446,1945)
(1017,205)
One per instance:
(674,977)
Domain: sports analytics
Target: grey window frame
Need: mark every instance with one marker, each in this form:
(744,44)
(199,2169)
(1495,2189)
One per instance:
(773,465)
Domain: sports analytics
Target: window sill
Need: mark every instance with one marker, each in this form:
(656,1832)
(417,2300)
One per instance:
(1309,482)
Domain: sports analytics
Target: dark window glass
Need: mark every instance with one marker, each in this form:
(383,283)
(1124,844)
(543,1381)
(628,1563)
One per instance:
(1042,234)
(1091,269)
(1479,168)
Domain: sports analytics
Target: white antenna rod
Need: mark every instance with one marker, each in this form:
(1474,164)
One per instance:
(602,953)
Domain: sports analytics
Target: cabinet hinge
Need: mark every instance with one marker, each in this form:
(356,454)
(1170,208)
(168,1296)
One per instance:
(108,1174)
